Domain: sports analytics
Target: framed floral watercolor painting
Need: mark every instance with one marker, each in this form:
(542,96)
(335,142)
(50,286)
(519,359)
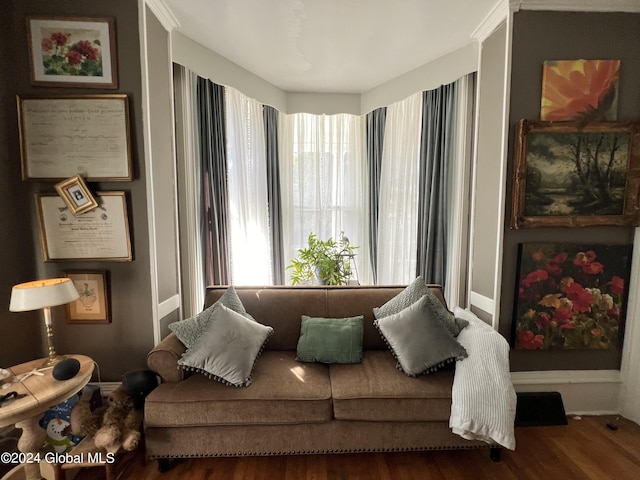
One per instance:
(72,52)
(580,90)
(571,296)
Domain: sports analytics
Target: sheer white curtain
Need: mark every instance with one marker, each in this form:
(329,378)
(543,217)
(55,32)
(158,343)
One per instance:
(398,217)
(455,286)
(250,249)
(323,179)
(190,206)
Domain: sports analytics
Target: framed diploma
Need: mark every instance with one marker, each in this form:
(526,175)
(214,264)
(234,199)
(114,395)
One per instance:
(100,235)
(64,136)
(93,304)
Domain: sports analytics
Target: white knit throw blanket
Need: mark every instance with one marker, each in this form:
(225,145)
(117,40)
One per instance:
(483,405)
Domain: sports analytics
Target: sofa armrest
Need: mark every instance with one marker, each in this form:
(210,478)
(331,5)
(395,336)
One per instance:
(163,359)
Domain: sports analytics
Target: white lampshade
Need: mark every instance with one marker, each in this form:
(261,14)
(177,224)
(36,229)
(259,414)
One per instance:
(42,293)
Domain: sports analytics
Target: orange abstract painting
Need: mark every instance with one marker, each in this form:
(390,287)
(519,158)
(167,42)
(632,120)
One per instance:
(584,90)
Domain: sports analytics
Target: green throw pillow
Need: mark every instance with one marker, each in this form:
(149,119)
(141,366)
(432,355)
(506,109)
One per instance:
(190,329)
(419,340)
(330,340)
(228,349)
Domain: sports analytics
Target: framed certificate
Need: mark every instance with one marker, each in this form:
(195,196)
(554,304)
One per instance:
(101,234)
(86,135)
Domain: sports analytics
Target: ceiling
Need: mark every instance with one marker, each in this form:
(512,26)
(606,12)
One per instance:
(337,46)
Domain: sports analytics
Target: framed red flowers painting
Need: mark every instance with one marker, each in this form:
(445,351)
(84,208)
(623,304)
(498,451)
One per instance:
(569,174)
(580,90)
(72,52)
(571,296)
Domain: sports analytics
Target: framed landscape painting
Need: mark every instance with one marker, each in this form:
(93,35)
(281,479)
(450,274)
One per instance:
(72,52)
(572,175)
(571,296)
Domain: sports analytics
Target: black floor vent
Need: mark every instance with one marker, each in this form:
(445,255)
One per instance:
(540,409)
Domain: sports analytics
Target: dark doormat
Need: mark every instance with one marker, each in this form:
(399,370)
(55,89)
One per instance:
(537,409)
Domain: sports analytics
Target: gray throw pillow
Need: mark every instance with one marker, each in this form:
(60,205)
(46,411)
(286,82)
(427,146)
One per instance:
(410,295)
(189,329)
(414,292)
(330,340)
(419,340)
(228,349)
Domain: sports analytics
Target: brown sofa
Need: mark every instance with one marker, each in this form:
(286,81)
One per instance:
(298,408)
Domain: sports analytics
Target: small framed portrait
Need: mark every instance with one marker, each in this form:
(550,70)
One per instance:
(93,304)
(76,195)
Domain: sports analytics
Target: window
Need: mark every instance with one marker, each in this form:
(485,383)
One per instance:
(324,190)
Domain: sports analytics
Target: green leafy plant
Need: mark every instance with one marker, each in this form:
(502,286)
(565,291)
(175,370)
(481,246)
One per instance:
(324,262)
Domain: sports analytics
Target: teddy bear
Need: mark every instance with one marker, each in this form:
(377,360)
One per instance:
(113,426)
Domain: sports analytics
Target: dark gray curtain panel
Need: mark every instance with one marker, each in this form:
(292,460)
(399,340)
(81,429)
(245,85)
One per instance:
(435,157)
(211,119)
(375,142)
(270,116)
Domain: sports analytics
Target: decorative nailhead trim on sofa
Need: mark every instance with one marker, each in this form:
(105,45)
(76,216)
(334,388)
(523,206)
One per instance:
(328,451)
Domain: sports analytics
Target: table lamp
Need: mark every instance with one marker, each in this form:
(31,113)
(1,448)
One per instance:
(44,294)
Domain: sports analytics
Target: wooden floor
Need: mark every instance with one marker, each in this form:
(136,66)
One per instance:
(585,449)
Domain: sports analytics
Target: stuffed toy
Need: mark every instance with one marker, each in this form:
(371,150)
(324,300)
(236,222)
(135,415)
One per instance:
(112,426)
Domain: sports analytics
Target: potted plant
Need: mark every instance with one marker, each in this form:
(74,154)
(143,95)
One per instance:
(323,262)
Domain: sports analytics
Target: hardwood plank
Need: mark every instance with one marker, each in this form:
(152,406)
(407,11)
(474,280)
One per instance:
(583,449)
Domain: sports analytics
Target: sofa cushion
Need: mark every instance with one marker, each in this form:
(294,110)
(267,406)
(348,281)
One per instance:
(419,340)
(281,308)
(375,390)
(283,392)
(228,349)
(190,329)
(357,300)
(414,292)
(330,340)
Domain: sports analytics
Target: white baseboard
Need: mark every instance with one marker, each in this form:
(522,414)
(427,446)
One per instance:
(106,387)
(584,392)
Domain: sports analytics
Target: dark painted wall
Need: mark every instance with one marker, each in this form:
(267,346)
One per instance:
(540,36)
(121,345)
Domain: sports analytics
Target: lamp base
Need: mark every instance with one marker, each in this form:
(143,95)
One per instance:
(52,360)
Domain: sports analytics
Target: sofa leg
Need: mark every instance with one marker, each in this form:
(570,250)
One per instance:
(495,453)
(164,464)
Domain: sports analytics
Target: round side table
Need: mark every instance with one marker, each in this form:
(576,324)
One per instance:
(42,392)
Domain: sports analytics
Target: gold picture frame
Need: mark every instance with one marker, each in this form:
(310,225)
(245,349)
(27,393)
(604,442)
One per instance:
(572,174)
(93,304)
(101,234)
(72,51)
(76,195)
(66,135)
